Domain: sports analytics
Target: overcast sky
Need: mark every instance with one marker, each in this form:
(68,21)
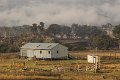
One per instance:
(91,12)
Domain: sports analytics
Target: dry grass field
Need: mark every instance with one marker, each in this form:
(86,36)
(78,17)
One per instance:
(14,67)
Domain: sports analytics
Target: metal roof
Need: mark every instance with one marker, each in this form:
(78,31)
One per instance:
(39,45)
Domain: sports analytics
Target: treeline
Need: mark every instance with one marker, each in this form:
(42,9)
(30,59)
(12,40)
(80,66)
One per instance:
(105,37)
(75,31)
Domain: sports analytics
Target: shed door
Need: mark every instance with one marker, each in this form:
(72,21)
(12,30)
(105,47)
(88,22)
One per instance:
(30,53)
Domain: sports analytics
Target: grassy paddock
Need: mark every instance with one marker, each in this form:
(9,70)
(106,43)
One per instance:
(14,67)
(102,54)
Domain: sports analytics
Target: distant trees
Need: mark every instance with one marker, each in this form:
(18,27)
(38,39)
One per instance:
(37,29)
(75,30)
(40,28)
(116,33)
(77,47)
(94,31)
(87,31)
(34,28)
(5,47)
(42,24)
(66,30)
(56,29)
(94,36)
(103,42)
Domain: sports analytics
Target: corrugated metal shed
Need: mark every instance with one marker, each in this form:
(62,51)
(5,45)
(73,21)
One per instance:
(39,46)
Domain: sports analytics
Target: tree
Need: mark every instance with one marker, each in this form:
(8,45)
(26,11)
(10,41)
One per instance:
(116,33)
(54,29)
(103,42)
(34,28)
(41,26)
(94,31)
(87,31)
(65,30)
(57,29)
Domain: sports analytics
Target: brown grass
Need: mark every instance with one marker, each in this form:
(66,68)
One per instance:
(10,67)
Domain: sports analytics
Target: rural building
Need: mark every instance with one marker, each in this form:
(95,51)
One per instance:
(44,50)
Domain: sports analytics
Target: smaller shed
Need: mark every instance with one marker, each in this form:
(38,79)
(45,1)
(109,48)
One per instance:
(44,50)
(92,59)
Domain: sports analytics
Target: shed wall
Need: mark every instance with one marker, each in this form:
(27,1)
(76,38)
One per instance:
(23,52)
(36,53)
(62,52)
(43,54)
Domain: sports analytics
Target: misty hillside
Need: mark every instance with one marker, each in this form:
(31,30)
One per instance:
(91,12)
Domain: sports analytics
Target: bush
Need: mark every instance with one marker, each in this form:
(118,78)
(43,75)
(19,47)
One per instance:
(13,48)
(77,47)
(4,48)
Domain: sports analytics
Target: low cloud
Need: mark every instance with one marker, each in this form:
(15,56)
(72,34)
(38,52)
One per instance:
(91,12)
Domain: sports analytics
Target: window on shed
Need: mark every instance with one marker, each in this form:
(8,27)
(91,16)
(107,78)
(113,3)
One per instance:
(49,52)
(40,51)
(57,52)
